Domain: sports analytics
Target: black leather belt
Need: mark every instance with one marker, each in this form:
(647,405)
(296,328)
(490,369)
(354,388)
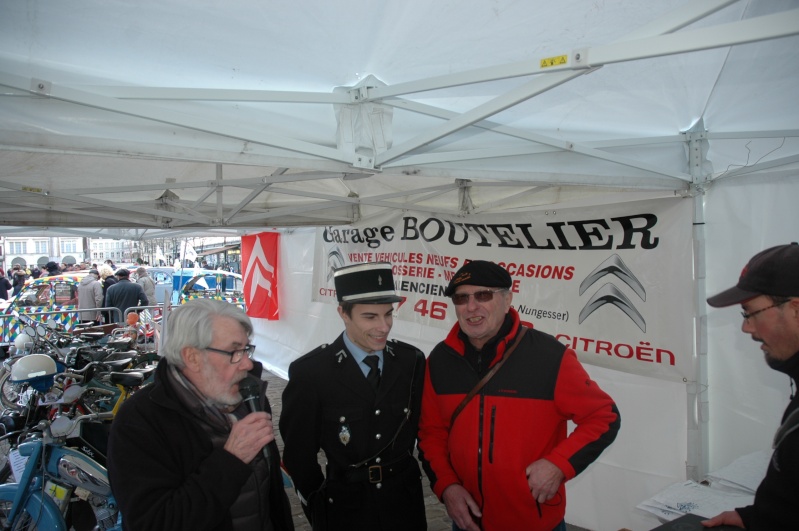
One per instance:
(376,473)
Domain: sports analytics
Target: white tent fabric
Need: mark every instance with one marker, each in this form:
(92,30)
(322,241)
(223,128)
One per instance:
(747,399)
(169,118)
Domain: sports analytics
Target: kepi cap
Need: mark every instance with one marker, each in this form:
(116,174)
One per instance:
(771,272)
(369,283)
(479,273)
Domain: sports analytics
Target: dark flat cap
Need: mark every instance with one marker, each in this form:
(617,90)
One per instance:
(479,273)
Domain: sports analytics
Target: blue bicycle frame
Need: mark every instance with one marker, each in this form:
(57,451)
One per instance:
(28,496)
(33,499)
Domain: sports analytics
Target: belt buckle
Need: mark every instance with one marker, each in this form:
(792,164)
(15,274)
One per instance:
(375,474)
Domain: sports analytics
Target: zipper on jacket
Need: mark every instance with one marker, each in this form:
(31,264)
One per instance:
(480,445)
(491,439)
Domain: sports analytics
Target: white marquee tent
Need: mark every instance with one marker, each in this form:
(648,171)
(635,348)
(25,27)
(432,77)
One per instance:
(150,119)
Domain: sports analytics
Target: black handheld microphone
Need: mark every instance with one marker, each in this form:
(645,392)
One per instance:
(250,390)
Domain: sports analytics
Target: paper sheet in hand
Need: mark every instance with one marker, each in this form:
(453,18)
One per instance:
(692,522)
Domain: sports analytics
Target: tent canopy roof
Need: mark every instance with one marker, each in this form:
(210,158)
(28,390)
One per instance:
(172,117)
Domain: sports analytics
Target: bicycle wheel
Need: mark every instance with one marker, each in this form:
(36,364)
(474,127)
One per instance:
(40,513)
(5,464)
(24,521)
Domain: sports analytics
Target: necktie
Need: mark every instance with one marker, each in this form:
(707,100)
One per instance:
(374,373)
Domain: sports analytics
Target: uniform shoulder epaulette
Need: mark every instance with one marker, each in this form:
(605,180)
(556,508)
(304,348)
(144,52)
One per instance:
(315,352)
(402,346)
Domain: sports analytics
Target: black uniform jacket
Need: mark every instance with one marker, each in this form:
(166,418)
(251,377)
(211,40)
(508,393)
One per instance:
(373,481)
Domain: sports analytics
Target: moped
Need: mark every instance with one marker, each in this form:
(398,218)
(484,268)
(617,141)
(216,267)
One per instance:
(52,477)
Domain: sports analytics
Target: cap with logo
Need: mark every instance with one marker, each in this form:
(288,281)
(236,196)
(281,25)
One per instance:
(369,283)
(770,272)
(479,273)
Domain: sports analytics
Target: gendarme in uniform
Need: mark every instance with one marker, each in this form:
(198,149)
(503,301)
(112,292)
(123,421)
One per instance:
(364,419)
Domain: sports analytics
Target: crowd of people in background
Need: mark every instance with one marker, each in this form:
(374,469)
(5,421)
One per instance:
(19,275)
(93,290)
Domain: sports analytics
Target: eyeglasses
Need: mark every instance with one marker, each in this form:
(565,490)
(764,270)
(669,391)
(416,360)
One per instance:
(748,316)
(235,355)
(480,296)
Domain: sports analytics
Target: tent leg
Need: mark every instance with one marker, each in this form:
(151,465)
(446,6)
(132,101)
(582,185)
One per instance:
(697,390)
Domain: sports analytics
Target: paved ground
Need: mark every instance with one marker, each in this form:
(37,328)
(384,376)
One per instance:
(437,519)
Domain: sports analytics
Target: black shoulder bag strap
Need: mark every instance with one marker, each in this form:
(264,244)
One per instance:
(488,376)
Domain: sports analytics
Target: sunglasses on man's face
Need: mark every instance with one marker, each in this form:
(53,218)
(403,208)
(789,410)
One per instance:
(480,296)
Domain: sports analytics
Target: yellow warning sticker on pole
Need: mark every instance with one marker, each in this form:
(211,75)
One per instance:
(558,60)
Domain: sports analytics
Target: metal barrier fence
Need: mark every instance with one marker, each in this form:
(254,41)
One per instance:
(27,319)
(160,331)
(34,315)
(155,322)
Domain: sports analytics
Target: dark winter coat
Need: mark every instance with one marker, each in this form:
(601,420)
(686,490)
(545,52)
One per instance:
(166,473)
(775,507)
(18,280)
(123,295)
(5,285)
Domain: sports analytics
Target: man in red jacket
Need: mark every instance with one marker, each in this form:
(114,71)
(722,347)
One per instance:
(498,455)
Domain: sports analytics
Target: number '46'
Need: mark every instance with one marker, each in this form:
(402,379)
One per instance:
(436,310)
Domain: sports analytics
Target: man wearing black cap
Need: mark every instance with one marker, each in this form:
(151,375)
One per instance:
(124,294)
(768,292)
(495,407)
(358,399)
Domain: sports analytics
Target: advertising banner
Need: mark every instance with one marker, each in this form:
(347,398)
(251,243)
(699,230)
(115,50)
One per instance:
(259,270)
(613,282)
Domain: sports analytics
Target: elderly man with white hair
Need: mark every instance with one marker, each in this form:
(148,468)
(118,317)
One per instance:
(186,452)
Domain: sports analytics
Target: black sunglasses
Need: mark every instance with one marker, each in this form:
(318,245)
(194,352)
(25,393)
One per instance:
(480,296)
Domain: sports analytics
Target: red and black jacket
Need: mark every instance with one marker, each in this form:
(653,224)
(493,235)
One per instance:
(518,417)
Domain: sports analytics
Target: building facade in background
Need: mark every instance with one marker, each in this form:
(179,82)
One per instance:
(118,251)
(29,251)
(37,251)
